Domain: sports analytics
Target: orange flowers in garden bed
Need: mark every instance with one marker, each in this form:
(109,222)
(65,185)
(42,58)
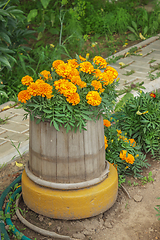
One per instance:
(79,83)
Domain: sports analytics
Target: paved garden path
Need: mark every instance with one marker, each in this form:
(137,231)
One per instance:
(143,62)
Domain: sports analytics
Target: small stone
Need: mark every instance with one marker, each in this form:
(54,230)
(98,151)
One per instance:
(79,235)
(58,229)
(14,217)
(137,198)
(40,218)
(108,224)
(7,227)
(88,232)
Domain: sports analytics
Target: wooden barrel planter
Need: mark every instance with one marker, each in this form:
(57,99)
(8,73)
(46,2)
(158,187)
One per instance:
(62,157)
(65,166)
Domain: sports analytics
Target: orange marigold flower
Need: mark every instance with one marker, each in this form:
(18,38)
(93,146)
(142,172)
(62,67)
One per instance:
(93,98)
(82,84)
(152,95)
(56,63)
(107,78)
(40,88)
(86,67)
(119,132)
(106,123)
(76,80)
(130,159)
(73,98)
(96,84)
(82,58)
(27,80)
(98,73)
(111,70)
(24,96)
(100,61)
(122,154)
(132,142)
(64,70)
(105,142)
(32,89)
(65,87)
(73,63)
(46,74)
(73,73)
(115,165)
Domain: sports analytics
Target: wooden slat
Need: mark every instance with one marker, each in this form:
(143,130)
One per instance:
(76,157)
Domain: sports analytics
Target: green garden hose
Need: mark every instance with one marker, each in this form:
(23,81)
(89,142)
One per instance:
(7,210)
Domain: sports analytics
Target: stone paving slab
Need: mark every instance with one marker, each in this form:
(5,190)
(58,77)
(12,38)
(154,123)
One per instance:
(16,130)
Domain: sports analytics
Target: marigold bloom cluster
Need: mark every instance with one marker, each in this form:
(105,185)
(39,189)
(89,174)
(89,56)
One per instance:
(38,88)
(105,142)
(93,98)
(86,67)
(46,74)
(76,79)
(68,89)
(100,61)
(97,85)
(106,123)
(24,96)
(27,80)
(129,158)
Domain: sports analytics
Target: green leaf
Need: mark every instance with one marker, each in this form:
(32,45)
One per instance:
(32,14)
(5,37)
(6,50)
(56,125)
(47,111)
(45,3)
(3,12)
(22,62)
(38,121)
(134,25)
(5,61)
(145,30)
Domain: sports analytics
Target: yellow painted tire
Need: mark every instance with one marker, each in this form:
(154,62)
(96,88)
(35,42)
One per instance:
(71,204)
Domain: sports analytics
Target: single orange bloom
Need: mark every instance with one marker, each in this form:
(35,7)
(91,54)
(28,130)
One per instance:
(93,98)
(46,74)
(86,67)
(27,80)
(23,96)
(73,98)
(152,95)
(56,63)
(132,142)
(82,58)
(100,61)
(122,154)
(106,123)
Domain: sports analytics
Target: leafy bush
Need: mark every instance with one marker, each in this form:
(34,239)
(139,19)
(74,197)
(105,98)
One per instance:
(122,152)
(140,118)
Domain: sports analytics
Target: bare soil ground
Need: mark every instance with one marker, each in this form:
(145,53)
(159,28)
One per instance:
(131,218)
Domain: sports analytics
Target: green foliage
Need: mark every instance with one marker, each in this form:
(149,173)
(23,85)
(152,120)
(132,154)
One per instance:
(12,36)
(147,179)
(158,210)
(140,118)
(117,143)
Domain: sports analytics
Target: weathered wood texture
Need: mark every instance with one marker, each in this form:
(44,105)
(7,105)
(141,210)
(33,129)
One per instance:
(62,157)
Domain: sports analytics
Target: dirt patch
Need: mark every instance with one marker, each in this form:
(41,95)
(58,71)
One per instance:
(131,218)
